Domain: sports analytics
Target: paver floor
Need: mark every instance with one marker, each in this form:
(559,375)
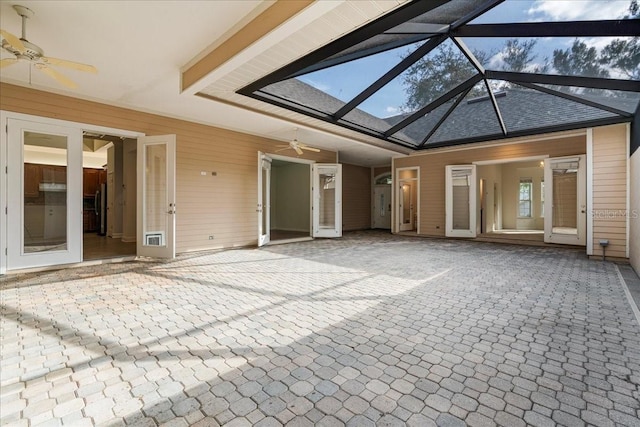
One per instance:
(370,329)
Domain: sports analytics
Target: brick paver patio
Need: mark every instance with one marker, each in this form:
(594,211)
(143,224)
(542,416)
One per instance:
(369,329)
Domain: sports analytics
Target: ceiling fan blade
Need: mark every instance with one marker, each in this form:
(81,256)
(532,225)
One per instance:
(306,147)
(70,64)
(61,78)
(7,61)
(298,150)
(15,42)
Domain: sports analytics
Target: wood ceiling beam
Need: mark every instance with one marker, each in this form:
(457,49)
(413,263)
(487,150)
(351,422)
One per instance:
(260,26)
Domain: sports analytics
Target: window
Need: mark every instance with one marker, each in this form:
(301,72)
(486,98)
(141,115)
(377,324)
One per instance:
(542,198)
(524,198)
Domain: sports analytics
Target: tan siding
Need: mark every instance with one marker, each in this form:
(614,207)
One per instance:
(432,170)
(356,197)
(222,205)
(610,189)
(380,170)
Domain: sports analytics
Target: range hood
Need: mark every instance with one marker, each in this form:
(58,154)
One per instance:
(52,186)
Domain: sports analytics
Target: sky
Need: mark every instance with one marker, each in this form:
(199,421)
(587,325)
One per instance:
(347,80)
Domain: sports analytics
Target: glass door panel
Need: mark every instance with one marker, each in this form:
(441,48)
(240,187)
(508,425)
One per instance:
(407,190)
(327,200)
(45,193)
(156,196)
(45,197)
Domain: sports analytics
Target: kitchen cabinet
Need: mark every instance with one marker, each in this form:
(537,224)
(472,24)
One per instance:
(32,178)
(91,180)
(54,174)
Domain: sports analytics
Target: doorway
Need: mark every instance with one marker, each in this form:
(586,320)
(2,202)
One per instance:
(109,196)
(511,199)
(284,199)
(290,198)
(297,199)
(407,199)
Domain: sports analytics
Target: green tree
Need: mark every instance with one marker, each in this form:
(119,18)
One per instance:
(623,55)
(518,56)
(433,75)
(579,60)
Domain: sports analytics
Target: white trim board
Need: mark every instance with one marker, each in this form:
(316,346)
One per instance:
(590,191)
(628,162)
(513,160)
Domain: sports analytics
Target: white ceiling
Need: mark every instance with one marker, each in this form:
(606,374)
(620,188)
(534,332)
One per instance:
(140,48)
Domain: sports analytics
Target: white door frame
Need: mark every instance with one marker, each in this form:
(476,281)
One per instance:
(167,242)
(579,239)
(396,194)
(264,209)
(4,117)
(449,230)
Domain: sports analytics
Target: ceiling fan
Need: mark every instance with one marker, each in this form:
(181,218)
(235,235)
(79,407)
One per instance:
(297,146)
(23,50)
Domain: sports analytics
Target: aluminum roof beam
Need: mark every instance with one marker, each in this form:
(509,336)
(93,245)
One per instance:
(610,28)
(551,79)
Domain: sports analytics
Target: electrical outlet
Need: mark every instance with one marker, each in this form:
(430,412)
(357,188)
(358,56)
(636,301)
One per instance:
(210,237)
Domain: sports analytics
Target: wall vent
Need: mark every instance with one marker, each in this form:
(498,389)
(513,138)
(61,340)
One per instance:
(154,238)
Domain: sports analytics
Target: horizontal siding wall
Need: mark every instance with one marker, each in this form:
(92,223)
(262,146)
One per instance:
(432,170)
(223,205)
(610,189)
(356,197)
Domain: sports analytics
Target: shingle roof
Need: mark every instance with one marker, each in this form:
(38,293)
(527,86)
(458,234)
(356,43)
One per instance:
(535,102)
(521,109)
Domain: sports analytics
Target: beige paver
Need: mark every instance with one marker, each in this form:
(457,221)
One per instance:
(364,330)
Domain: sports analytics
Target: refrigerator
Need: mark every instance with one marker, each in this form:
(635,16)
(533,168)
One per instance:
(100,202)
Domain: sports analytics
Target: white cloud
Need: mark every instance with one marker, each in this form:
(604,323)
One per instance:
(392,111)
(577,10)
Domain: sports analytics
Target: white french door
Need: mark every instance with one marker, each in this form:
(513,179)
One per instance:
(264,199)
(407,205)
(327,200)
(460,198)
(44,212)
(156,208)
(565,207)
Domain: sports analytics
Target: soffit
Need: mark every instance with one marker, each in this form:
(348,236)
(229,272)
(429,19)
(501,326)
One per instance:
(310,30)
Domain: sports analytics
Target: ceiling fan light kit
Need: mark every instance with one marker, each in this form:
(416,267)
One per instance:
(25,51)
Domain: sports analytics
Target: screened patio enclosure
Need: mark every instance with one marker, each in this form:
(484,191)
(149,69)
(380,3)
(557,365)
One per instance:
(437,73)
